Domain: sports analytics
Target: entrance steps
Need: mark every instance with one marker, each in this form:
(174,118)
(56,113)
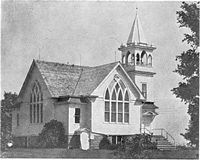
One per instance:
(163,139)
(163,143)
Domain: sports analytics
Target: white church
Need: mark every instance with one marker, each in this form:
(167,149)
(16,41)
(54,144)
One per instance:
(114,99)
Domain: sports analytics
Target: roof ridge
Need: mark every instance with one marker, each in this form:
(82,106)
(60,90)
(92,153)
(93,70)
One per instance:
(42,61)
(105,64)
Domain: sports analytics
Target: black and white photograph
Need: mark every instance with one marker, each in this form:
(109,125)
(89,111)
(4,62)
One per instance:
(100,79)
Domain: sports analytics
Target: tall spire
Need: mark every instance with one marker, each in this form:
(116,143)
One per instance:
(136,34)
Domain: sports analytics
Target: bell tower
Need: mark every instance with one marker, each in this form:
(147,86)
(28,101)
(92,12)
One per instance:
(137,59)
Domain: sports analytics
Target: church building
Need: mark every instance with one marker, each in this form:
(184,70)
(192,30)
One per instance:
(114,99)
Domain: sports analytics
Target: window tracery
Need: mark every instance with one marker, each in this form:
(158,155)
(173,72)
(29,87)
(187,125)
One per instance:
(36,104)
(116,102)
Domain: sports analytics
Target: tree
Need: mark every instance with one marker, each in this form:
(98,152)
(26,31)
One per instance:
(7,104)
(188,68)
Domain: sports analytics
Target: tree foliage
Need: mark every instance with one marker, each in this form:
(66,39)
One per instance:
(7,104)
(188,68)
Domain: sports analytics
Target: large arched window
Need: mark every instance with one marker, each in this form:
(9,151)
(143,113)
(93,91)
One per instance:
(36,104)
(116,102)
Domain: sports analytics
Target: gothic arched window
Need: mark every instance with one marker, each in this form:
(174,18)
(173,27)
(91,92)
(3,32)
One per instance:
(116,102)
(36,104)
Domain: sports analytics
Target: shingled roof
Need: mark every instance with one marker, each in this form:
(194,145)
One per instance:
(63,79)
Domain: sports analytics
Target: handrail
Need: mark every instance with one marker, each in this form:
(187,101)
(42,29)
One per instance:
(166,135)
(171,137)
(145,129)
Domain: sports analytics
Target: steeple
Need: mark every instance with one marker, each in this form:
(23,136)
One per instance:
(136,34)
(137,52)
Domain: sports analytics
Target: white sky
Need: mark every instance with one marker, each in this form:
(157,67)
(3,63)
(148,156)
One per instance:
(65,31)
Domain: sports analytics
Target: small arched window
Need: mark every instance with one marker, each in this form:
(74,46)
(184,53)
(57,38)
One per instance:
(123,59)
(117,106)
(137,59)
(143,58)
(133,58)
(36,104)
(128,57)
(150,60)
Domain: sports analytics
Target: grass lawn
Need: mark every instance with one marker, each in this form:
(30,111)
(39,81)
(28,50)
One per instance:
(56,153)
(105,154)
(174,154)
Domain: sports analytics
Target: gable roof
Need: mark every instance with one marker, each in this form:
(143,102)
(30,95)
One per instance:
(92,77)
(71,80)
(63,79)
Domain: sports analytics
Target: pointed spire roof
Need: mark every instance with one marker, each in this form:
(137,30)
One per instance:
(136,34)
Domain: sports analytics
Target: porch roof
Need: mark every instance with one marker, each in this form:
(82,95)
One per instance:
(149,105)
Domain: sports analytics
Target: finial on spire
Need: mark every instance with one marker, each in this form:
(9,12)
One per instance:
(136,8)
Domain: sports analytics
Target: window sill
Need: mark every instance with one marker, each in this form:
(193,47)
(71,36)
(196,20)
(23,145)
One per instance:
(116,123)
(34,124)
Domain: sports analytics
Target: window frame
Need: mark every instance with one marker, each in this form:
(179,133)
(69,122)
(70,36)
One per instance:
(118,102)
(36,104)
(77,116)
(144,92)
(117,139)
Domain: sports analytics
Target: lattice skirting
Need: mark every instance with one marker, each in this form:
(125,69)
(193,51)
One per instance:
(31,141)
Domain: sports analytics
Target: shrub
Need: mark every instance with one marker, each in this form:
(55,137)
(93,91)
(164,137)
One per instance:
(52,135)
(136,146)
(105,143)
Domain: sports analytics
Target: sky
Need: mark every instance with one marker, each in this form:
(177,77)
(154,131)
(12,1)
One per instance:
(90,33)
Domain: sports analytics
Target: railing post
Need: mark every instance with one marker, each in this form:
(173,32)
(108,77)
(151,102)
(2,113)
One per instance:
(161,132)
